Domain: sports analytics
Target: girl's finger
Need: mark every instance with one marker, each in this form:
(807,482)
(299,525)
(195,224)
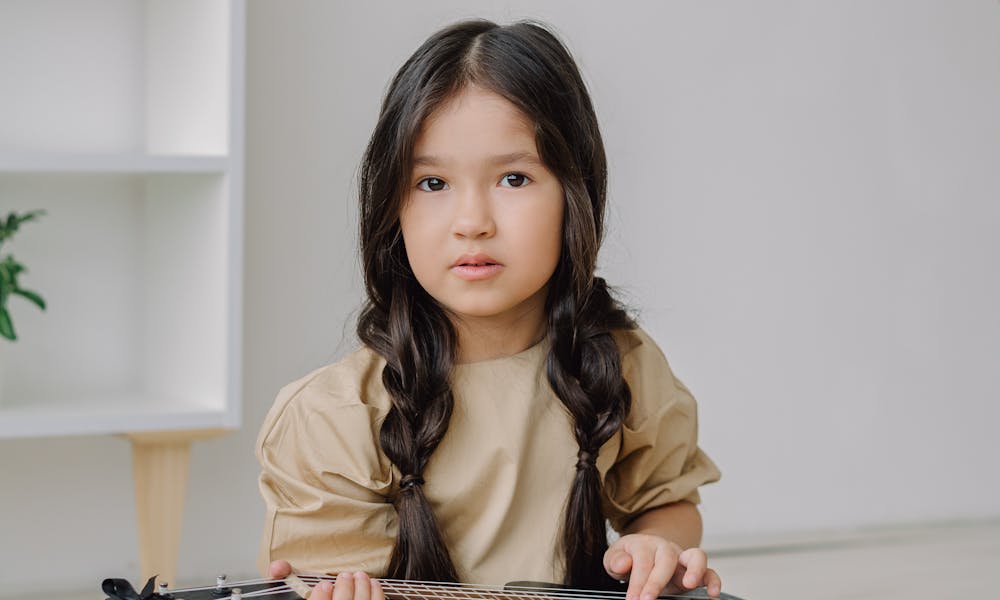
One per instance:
(713,583)
(696,562)
(642,564)
(617,563)
(344,588)
(279,569)
(664,563)
(377,593)
(362,586)
(322,591)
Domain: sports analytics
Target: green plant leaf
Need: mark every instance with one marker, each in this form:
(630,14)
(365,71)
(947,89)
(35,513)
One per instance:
(28,216)
(11,264)
(9,226)
(32,296)
(6,327)
(9,270)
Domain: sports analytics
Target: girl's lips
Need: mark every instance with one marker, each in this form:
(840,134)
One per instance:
(476,272)
(478,258)
(476,267)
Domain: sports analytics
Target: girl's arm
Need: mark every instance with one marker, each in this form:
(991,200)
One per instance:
(659,551)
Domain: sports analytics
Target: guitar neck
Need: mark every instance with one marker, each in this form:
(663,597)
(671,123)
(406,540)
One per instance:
(299,587)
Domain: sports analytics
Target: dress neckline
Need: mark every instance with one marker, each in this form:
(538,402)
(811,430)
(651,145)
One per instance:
(537,347)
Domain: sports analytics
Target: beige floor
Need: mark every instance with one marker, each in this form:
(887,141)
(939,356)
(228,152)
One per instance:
(960,561)
(941,562)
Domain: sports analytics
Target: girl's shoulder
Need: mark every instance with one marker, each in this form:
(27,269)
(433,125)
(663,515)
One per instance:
(327,423)
(637,348)
(349,386)
(654,386)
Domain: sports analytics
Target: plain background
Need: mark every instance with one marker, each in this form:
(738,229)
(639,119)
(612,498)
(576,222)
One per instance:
(805,200)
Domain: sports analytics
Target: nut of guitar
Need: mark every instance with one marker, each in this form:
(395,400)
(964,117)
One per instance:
(298,586)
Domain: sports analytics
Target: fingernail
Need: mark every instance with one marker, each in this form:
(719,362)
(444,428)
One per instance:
(326,586)
(648,596)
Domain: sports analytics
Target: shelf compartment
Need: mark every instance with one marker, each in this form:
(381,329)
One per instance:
(136,272)
(116,76)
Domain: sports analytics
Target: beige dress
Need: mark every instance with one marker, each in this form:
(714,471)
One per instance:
(497,483)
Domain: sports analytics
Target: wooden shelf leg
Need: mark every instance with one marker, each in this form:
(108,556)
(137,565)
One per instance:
(160,473)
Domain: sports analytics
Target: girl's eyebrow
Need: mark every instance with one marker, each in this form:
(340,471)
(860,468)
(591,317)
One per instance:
(499,159)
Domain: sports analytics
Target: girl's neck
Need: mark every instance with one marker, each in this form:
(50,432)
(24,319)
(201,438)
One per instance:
(490,338)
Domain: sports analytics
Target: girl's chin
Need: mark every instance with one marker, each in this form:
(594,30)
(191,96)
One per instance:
(485,305)
(504,314)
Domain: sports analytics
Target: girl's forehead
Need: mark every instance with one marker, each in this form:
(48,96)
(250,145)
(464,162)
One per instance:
(473,120)
(474,105)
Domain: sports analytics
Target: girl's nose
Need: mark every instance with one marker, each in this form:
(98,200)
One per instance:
(473,216)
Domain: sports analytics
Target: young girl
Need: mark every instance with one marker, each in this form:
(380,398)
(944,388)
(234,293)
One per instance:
(503,407)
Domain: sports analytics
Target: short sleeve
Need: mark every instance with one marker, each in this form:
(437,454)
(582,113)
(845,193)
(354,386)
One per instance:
(325,483)
(659,461)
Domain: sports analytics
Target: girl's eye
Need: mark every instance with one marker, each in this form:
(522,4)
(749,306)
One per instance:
(515,180)
(432,184)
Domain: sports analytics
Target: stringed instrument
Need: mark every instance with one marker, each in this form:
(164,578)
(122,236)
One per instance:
(298,587)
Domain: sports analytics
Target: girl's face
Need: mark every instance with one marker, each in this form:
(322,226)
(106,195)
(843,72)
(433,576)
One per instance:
(482,220)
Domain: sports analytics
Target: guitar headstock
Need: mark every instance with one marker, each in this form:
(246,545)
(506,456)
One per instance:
(121,589)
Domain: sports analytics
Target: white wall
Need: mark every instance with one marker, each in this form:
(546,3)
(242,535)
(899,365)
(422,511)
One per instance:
(804,207)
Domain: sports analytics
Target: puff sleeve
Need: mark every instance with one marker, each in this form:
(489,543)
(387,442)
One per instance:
(325,483)
(659,460)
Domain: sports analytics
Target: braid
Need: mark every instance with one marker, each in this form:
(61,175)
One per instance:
(418,342)
(584,369)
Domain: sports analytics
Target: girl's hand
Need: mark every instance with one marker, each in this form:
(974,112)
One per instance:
(349,586)
(653,564)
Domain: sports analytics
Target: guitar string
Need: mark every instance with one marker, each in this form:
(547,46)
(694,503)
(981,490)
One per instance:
(517,592)
(399,584)
(521,591)
(437,590)
(450,596)
(402,583)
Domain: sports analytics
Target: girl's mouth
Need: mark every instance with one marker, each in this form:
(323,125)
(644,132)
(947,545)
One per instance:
(476,271)
(475,267)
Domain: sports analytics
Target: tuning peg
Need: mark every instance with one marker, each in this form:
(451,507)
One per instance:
(220,591)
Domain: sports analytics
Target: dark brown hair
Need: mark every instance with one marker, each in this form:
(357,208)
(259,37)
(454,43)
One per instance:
(527,65)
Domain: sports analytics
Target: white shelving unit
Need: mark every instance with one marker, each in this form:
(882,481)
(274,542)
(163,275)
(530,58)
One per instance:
(123,120)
